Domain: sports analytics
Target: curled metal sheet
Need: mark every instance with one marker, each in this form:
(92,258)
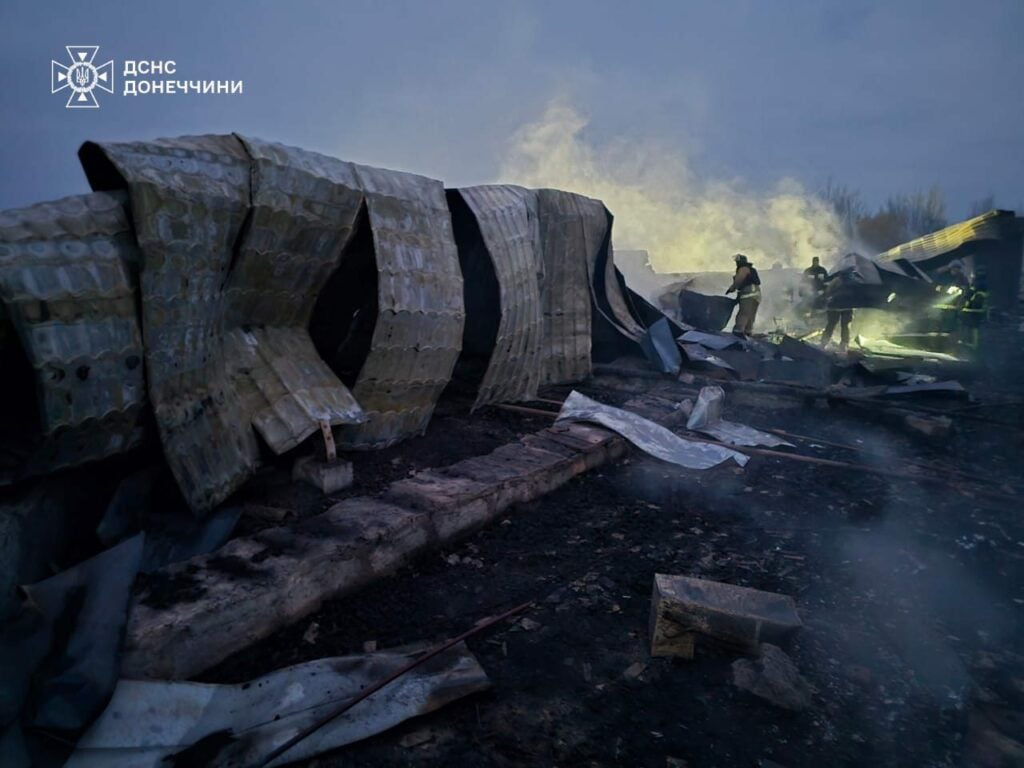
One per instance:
(618,304)
(993,225)
(508,221)
(286,388)
(648,436)
(572,231)
(147,721)
(418,331)
(304,208)
(189,200)
(67,285)
(706,417)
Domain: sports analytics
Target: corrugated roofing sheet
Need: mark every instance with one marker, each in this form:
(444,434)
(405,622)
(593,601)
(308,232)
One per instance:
(994,225)
(66,278)
(285,387)
(572,230)
(418,333)
(304,207)
(189,200)
(236,240)
(508,220)
(623,319)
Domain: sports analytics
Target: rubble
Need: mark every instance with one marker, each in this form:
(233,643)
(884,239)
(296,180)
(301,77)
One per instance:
(592,546)
(61,652)
(929,426)
(773,677)
(683,608)
(193,615)
(269,347)
(329,475)
(148,722)
(488,294)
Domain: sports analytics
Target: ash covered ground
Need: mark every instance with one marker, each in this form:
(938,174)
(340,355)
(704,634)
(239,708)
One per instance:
(910,594)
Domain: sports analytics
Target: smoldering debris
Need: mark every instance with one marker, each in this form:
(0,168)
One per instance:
(773,676)
(148,724)
(685,610)
(334,301)
(61,652)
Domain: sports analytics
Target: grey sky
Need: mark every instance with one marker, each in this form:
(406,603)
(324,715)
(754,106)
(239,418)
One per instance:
(883,96)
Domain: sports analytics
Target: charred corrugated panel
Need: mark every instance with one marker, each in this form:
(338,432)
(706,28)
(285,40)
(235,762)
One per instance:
(418,330)
(615,293)
(285,386)
(572,229)
(993,225)
(75,348)
(616,331)
(510,230)
(345,313)
(482,298)
(189,199)
(304,208)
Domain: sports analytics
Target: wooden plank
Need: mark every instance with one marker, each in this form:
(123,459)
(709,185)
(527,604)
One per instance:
(193,615)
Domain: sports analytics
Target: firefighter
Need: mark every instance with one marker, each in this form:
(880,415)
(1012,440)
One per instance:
(841,317)
(812,289)
(955,288)
(838,311)
(747,285)
(974,308)
(815,276)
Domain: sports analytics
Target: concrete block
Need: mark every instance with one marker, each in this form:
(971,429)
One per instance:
(683,607)
(329,476)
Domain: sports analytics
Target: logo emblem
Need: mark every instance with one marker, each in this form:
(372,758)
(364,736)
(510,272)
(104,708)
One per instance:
(82,76)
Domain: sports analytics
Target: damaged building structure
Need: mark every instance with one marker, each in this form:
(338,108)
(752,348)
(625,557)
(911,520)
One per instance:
(232,288)
(219,306)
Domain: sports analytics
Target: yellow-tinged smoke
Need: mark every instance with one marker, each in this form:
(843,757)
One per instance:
(685,223)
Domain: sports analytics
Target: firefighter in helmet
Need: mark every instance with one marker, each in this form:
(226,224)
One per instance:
(747,285)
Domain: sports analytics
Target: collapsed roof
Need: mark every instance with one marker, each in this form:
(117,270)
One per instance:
(992,240)
(272,291)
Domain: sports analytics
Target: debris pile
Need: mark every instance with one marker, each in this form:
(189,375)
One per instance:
(233,287)
(219,301)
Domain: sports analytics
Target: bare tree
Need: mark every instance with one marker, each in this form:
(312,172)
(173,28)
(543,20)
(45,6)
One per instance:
(883,230)
(901,218)
(921,212)
(982,205)
(847,204)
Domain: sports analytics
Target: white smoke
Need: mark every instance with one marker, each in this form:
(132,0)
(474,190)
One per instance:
(660,205)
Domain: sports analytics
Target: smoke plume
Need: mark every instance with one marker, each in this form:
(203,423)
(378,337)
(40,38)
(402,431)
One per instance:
(660,205)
